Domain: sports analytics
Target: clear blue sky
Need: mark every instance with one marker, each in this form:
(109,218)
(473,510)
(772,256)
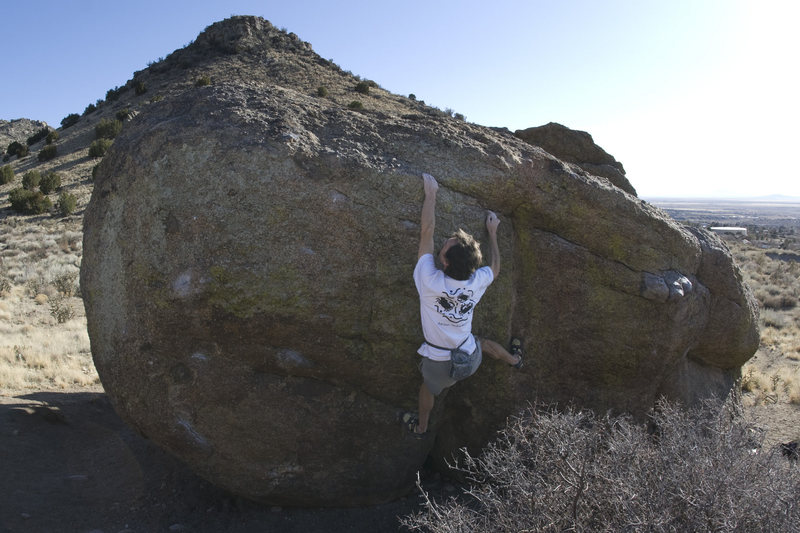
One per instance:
(694,97)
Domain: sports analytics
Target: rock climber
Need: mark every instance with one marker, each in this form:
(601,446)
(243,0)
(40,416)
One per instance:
(448,297)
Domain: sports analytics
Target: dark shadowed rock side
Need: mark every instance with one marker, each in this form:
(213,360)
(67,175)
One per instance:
(247,273)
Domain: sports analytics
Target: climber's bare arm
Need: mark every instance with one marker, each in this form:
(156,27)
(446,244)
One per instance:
(491,226)
(428,222)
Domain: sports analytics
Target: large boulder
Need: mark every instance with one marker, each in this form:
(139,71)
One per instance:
(248,252)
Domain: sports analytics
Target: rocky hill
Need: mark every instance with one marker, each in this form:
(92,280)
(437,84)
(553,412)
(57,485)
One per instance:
(247,263)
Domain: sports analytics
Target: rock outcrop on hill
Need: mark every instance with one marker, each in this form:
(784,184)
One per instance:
(247,265)
(577,147)
(18,130)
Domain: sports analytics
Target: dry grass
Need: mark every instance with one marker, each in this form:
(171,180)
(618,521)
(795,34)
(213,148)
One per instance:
(43,339)
(773,376)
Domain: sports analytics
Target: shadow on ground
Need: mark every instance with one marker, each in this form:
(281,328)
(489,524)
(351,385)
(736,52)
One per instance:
(68,463)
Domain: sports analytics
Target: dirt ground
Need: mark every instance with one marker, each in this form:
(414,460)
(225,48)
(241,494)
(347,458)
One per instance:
(69,464)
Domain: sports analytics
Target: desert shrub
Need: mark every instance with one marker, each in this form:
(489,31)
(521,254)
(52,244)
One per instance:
(61,310)
(362,87)
(5,285)
(66,204)
(99,147)
(38,136)
(52,137)
(412,97)
(91,108)
(31,179)
(139,87)
(94,171)
(697,470)
(203,81)
(50,182)
(18,149)
(322,91)
(107,128)
(355,104)
(48,152)
(114,94)
(124,114)
(70,120)
(6,174)
(66,283)
(29,202)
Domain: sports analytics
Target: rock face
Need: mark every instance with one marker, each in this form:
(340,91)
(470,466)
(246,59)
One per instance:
(248,253)
(577,147)
(18,130)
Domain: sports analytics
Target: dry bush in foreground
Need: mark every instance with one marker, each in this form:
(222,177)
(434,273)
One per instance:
(700,470)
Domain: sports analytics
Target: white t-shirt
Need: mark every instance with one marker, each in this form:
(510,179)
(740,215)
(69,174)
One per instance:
(446,306)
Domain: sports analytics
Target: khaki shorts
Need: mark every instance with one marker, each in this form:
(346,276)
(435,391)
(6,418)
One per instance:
(436,374)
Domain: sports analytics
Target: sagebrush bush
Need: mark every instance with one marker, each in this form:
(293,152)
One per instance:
(18,149)
(50,182)
(61,310)
(99,147)
(70,120)
(66,204)
(5,285)
(355,104)
(48,152)
(203,81)
(31,179)
(107,128)
(322,91)
(124,114)
(52,137)
(695,470)
(38,136)
(91,108)
(29,202)
(139,87)
(6,174)
(362,87)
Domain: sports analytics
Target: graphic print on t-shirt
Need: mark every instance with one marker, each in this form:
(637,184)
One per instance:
(455,305)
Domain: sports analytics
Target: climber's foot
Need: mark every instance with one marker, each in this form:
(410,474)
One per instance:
(515,349)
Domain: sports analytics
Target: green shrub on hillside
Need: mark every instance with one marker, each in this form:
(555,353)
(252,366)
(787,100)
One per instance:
(31,180)
(51,182)
(139,87)
(38,136)
(322,91)
(362,87)
(66,204)
(107,128)
(355,104)
(203,81)
(48,152)
(114,94)
(99,147)
(6,174)
(91,108)
(29,202)
(52,137)
(124,114)
(70,120)
(18,149)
